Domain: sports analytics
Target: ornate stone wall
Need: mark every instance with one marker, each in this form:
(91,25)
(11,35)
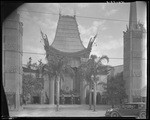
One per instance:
(133,61)
(12,57)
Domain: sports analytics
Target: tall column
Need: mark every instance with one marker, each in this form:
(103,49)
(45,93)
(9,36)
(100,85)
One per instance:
(58,93)
(83,92)
(90,96)
(133,53)
(136,39)
(95,93)
(46,88)
(12,41)
(51,91)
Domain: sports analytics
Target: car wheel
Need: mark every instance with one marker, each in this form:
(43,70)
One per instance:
(142,115)
(114,114)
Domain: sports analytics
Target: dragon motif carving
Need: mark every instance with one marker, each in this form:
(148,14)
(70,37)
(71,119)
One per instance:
(91,42)
(52,51)
(45,39)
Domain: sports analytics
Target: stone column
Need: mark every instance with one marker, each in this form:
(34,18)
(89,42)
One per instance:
(51,91)
(95,93)
(83,92)
(90,96)
(12,40)
(58,92)
(42,97)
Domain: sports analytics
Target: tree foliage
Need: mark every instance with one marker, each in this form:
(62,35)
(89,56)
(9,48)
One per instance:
(115,89)
(28,82)
(93,67)
(57,67)
(32,85)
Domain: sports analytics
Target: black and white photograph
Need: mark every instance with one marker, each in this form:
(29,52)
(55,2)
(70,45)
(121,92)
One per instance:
(75,60)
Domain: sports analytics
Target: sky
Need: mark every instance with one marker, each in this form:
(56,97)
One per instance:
(110,32)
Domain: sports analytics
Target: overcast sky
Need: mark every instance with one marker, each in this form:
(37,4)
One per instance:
(110,33)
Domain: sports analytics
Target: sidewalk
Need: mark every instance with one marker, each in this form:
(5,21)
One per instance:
(64,111)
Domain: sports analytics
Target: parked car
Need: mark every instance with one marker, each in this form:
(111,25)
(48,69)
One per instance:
(129,109)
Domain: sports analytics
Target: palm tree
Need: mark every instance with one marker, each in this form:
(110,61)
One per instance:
(96,68)
(56,68)
(91,69)
(85,74)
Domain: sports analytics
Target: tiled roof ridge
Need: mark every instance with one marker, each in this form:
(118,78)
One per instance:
(77,30)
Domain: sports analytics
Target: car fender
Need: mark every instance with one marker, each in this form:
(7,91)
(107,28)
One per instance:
(116,112)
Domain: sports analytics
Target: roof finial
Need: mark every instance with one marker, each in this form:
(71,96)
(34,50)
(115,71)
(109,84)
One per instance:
(60,9)
(74,11)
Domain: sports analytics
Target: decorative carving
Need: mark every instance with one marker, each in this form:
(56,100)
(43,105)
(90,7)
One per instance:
(140,26)
(84,59)
(21,70)
(137,73)
(12,69)
(45,39)
(11,99)
(137,54)
(137,34)
(10,46)
(91,42)
(29,63)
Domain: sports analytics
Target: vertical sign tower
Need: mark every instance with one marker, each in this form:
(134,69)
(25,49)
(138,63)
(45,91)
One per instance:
(133,55)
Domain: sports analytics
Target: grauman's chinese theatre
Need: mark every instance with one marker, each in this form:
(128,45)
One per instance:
(67,43)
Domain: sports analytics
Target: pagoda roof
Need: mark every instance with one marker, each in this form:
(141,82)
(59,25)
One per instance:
(67,38)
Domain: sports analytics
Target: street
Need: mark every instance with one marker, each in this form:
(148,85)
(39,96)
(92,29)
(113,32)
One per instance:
(64,111)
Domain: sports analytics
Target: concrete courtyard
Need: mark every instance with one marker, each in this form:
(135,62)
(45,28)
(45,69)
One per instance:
(64,111)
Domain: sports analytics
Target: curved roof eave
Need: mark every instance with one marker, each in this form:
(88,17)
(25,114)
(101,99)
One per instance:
(84,52)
